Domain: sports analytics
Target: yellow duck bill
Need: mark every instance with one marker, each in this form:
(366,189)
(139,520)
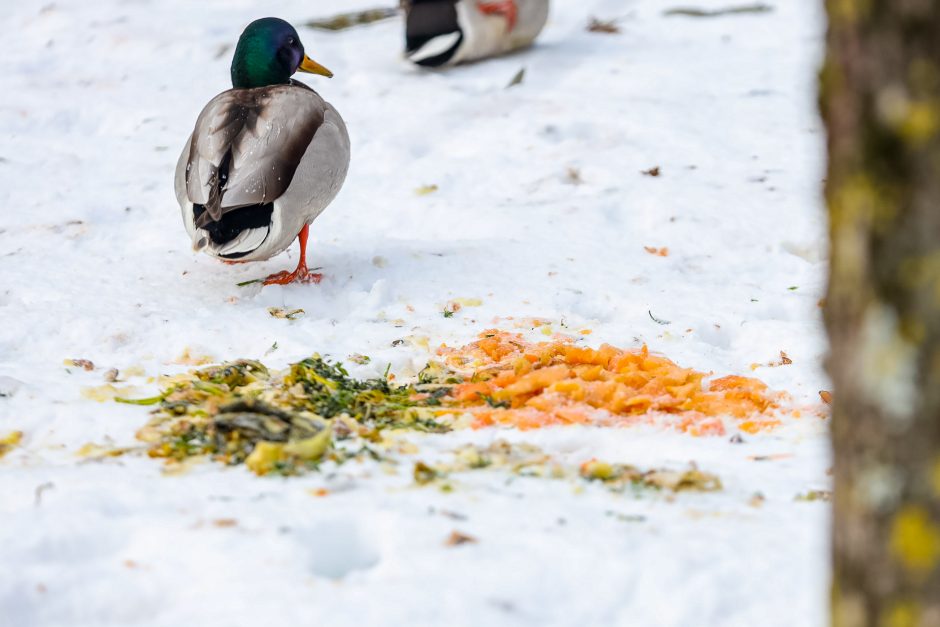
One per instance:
(312,67)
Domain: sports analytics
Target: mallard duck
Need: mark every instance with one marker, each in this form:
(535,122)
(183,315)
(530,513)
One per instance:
(448,32)
(265,158)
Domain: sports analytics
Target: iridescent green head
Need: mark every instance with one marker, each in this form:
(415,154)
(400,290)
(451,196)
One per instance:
(268,53)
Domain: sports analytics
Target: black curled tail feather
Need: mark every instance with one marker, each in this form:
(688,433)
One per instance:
(217,181)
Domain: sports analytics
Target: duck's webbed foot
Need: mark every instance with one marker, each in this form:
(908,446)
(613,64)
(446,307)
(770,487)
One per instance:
(300,274)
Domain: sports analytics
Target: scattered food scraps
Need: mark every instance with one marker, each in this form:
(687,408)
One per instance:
(527,460)
(517,78)
(289,314)
(187,358)
(659,252)
(654,171)
(783,361)
(10,441)
(456,539)
(826,396)
(356,18)
(424,474)
(240,413)
(815,495)
(677,481)
(356,358)
(101,393)
(424,190)
(556,383)
(225,522)
(289,422)
(468,302)
(94,451)
(84,364)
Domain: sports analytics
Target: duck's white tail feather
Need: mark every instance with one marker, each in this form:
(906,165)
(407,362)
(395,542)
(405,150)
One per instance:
(247,241)
(434,47)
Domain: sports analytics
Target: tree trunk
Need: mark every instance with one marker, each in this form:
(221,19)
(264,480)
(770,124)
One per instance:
(880,98)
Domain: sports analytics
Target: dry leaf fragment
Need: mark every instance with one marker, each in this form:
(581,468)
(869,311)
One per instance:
(84,364)
(356,18)
(517,78)
(225,522)
(424,190)
(658,320)
(456,539)
(770,458)
(826,396)
(732,10)
(784,361)
(424,474)
(654,171)
(608,27)
(659,252)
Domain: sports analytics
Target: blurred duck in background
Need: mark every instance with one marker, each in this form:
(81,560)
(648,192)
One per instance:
(265,158)
(440,33)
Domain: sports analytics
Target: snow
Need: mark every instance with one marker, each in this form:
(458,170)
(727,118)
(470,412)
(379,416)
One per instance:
(541,210)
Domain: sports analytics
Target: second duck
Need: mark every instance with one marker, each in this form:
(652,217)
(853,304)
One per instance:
(447,32)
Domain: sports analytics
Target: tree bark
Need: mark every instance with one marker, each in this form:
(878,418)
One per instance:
(880,99)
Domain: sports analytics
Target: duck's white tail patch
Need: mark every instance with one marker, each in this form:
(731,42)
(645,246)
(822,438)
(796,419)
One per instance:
(247,241)
(434,47)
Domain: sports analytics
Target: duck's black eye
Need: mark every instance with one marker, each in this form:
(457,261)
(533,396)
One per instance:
(291,41)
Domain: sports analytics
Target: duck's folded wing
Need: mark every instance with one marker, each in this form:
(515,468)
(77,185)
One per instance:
(247,145)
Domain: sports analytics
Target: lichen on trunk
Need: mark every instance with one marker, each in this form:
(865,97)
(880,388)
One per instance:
(880,98)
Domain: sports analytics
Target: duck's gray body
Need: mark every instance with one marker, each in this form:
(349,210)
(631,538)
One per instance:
(260,164)
(449,32)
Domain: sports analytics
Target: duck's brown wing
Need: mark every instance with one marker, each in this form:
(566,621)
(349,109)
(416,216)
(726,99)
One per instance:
(247,145)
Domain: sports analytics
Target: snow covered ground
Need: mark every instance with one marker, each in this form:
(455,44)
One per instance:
(540,210)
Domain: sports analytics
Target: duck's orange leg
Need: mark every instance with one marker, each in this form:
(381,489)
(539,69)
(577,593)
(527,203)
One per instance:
(300,274)
(505,8)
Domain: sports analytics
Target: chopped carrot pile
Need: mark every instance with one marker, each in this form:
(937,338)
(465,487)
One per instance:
(512,382)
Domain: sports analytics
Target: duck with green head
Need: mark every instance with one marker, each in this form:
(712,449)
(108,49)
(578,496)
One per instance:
(265,158)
